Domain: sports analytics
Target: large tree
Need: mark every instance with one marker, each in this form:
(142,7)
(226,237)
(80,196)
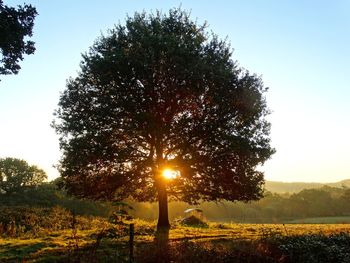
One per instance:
(15,25)
(161,93)
(17,175)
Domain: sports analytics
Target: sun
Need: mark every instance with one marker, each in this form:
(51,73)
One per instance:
(170,174)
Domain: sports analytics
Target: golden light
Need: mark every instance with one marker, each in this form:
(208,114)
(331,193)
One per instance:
(170,174)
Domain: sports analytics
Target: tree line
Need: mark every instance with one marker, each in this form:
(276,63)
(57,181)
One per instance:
(272,208)
(24,185)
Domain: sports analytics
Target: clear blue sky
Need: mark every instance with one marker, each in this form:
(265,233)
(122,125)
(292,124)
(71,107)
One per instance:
(301,49)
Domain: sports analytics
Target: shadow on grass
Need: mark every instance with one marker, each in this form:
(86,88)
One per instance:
(107,250)
(161,246)
(187,251)
(281,249)
(161,250)
(19,252)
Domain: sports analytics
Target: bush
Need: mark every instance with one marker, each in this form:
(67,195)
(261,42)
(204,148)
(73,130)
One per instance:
(316,248)
(194,221)
(47,195)
(15,221)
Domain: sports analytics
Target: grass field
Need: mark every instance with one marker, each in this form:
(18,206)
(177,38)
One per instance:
(103,246)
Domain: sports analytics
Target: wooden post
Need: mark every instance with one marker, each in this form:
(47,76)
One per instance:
(131,242)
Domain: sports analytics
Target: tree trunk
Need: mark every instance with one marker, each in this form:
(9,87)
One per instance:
(163,218)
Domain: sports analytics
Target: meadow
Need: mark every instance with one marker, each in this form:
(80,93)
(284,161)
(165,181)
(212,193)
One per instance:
(62,237)
(38,225)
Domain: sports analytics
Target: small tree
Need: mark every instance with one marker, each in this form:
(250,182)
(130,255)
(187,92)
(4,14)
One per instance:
(16,175)
(15,25)
(160,94)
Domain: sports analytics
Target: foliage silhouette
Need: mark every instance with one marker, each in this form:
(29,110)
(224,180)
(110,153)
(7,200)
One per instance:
(161,93)
(15,25)
(17,175)
(47,195)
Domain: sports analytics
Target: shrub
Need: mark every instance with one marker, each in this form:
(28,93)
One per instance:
(15,221)
(316,248)
(194,221)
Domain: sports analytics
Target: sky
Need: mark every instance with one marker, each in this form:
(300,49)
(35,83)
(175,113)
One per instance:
(301,49)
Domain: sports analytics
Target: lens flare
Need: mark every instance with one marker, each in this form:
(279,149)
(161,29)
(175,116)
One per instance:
(169,174)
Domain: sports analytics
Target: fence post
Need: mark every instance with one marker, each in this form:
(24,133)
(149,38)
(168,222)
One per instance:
(131,242)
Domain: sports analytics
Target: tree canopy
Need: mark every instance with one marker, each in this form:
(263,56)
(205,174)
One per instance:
(15,25)
(161,93)
(17,174)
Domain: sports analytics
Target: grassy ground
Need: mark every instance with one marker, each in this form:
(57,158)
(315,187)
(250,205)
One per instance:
(97,245)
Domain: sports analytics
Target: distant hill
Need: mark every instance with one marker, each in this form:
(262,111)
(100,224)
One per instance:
(283,187)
